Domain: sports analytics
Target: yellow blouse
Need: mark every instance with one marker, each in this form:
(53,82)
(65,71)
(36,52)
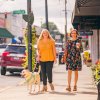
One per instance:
(46,50)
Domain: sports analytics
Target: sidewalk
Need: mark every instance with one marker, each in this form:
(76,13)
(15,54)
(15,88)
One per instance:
(86,90)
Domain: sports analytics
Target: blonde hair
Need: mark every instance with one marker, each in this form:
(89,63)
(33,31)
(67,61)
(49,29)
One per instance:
(41,35)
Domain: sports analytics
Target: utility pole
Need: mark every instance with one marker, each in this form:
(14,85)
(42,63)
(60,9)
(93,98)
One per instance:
(65,22)
(29,35)
(46,14)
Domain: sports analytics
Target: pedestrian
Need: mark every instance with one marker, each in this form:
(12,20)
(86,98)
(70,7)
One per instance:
(47,56)
(72,57)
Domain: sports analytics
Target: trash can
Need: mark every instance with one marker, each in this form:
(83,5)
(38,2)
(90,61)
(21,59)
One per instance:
(60,56)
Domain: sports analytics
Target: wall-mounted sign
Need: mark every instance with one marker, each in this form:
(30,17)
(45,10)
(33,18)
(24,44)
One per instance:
(85,33)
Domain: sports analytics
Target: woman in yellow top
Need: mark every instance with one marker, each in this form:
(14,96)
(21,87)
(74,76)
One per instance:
(47,56)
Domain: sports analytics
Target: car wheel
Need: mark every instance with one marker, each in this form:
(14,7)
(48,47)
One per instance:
(11,72)
(3,70)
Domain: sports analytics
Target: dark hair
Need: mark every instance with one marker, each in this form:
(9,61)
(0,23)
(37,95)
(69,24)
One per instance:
(75,31)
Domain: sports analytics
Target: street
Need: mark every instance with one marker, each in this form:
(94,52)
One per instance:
(9,81)
(86,90)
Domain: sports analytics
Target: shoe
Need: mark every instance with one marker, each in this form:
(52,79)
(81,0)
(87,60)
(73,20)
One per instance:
(44,88)
(75,88)
(68,89)
(52,86)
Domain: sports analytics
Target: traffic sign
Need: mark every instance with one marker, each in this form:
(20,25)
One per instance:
(29,18)
(19,12)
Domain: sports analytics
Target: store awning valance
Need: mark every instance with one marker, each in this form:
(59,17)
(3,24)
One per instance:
(4,33)
(86,14)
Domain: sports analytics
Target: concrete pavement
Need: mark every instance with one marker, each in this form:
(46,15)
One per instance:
(86,89)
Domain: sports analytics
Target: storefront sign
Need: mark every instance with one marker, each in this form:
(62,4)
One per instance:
(85,33)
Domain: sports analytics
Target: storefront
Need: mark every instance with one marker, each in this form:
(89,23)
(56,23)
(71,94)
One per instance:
(86,17)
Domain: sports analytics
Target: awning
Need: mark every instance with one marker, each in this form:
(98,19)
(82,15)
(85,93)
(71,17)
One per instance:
(4,33)
(86,14)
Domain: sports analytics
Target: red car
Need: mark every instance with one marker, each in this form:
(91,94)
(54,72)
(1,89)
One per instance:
(12,58)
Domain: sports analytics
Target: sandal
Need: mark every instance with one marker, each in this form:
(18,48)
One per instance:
(44,89)
(75,88)
(68,88)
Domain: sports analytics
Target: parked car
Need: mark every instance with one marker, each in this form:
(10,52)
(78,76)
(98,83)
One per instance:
(59,48)
(61,53)
(12,58)
(2,48)
(3,45)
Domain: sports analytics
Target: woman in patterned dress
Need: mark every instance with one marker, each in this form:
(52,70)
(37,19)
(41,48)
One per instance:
(73,58)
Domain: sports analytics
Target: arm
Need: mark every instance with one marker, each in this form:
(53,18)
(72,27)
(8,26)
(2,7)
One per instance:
(39,69)
(80,46)
(63,60)
(54,51)
(38,53)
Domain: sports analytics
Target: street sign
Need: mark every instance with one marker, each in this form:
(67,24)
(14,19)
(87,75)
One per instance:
(29,18)
(19,12)
(85,33)
(25,17)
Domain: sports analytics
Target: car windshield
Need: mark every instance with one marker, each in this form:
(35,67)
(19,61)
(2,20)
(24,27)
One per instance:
(16,49)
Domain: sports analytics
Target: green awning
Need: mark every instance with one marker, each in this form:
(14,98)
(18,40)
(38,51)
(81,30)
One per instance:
(4,33)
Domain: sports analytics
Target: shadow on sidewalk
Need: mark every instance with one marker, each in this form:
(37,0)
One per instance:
(89,84)
(56,72)
(61,85)
(63,93)
(14,75)
(90,93)
(91,88)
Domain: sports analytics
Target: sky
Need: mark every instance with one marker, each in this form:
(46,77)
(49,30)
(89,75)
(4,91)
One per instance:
(56,12)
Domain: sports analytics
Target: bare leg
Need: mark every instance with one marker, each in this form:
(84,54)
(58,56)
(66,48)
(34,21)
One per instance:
(69,77)
(75,81)
(69,80)
(76,78)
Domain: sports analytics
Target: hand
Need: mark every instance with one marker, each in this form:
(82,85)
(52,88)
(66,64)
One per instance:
(55,61)
(78,45)
(38,57)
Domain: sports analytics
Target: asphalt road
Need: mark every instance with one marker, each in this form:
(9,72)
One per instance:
(9,81)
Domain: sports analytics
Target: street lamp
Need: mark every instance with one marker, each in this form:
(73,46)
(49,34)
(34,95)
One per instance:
(65,22)
(46,14)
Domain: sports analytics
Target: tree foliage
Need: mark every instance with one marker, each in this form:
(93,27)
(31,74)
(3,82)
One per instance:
(53,29)
(51,25)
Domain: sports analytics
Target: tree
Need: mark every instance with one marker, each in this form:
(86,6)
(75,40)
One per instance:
(51,25)
(53,29)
